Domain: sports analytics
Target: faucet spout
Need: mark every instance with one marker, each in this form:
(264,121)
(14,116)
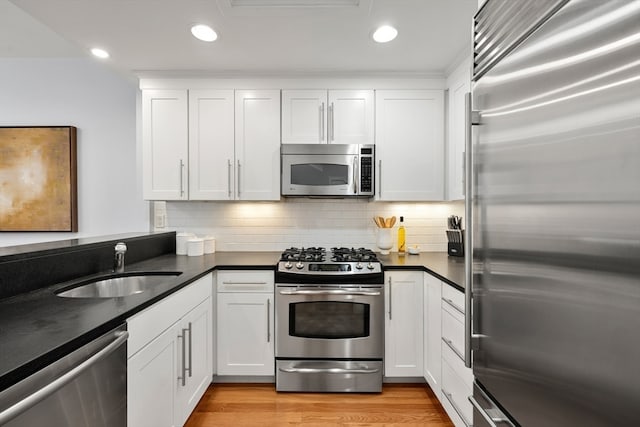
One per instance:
(118,262)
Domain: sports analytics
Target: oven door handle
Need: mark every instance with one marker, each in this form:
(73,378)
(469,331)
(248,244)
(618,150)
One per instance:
(330,292)
(329,371)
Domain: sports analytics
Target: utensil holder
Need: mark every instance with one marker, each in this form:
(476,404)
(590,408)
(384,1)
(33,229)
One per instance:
(385,240)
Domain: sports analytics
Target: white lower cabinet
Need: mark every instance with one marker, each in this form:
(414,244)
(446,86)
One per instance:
(457,379)
(245,323)
(169,357)
(432,332)
(403,355)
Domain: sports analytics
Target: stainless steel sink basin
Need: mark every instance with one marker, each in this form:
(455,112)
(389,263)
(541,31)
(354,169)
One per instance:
(117,285)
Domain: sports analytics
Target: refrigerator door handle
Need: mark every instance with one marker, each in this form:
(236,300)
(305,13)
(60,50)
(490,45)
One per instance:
(471,118)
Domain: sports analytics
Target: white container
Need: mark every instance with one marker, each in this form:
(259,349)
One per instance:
(195,247)
(385,240)
(209,245)
(181,242)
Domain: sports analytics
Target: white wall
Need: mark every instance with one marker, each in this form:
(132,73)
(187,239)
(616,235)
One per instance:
(274,226)
(102,105)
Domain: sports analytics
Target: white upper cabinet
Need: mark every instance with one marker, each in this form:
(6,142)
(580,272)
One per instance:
(304,116)
(410,145)
(211,144)
(165,144)
(459,84)
(351,117)
(257,145)
(321,116)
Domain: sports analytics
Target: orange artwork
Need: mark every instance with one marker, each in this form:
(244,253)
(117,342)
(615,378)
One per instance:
(38,189)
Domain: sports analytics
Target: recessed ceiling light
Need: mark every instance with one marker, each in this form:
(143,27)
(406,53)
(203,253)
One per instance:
(100,53)
(385,34)
(204,33)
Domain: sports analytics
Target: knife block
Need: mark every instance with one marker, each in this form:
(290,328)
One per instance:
(455,247)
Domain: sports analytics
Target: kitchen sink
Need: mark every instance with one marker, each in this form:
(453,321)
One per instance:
(117,285)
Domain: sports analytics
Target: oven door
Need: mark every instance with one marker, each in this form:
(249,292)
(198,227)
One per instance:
(319,175)
(330,322)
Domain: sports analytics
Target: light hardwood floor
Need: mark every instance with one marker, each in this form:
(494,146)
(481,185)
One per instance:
(249,405)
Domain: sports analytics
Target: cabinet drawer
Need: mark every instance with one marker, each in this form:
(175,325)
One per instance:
(152,321)
(457,364)
(453,297)
(245,281)
(453,329)
(456,393)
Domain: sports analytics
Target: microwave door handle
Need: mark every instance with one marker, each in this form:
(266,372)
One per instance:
(355,174)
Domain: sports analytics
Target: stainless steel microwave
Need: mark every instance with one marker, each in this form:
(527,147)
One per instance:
(328,170)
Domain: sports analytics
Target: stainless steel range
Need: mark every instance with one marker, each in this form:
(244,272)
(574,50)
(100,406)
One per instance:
(329,320)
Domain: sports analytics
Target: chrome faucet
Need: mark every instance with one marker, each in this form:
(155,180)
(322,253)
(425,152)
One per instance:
(118,262)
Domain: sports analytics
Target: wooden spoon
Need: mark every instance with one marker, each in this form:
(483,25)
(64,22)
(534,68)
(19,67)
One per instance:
(381,221)
(392,222)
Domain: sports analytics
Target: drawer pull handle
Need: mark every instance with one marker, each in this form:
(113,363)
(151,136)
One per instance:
(449,343)
(454,305)
(449,397)
(244,283)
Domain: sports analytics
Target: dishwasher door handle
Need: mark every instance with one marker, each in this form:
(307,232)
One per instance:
(46,391)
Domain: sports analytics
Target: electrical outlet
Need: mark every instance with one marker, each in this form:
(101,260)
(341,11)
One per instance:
(159,214)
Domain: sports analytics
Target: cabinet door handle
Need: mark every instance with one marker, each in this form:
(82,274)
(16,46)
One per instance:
(183,368)
(181,178)
(239,175)
(390,297)
(322,122)
(379,178)
(190,349)
(229,177)
(331,123)
(268,319)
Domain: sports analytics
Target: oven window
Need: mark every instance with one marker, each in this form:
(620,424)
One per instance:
(319,174)
(329,319)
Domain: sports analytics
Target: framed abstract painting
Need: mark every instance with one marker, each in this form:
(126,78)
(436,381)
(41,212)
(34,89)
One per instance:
(38,178)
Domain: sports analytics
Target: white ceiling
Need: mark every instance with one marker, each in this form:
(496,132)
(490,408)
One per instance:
(154,35)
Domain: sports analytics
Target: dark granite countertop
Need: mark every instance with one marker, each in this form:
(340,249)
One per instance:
(439,264)
(38,327)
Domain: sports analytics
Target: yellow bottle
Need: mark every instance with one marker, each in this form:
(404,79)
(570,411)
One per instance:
(402,244)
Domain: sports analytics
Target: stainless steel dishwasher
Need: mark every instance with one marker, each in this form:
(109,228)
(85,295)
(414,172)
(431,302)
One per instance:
(88,387)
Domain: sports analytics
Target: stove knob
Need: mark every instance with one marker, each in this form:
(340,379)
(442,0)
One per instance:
(359,266)
(288,265)
(370,266)
(299,266)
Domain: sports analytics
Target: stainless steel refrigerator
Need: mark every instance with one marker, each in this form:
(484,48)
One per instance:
(554,213)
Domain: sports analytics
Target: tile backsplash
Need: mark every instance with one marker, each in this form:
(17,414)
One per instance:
(274,226)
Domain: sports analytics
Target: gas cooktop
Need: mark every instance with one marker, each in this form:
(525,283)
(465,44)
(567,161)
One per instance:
(335,261)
